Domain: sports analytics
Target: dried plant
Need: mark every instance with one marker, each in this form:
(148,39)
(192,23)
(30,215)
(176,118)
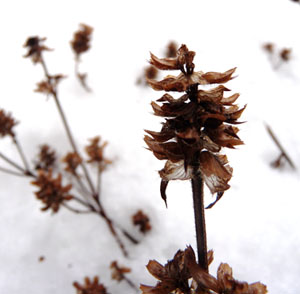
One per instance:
(79,189)
(90,287)
(277,56)
(176,276)
(197,125)
(141,220)
(119,274)
(172,48)
(81,44)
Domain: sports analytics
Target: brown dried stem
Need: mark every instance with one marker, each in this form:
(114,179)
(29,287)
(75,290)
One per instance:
(22,155)
(278,144)
(198,195)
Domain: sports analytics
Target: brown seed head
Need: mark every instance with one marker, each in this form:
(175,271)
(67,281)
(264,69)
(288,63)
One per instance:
(95,152)
(35,48)
(7,124)
(198,124)
(46,158)
(118,271)
(285,54)
(141,220)
(90,287)
(81,39)
(51,192)
(72,160)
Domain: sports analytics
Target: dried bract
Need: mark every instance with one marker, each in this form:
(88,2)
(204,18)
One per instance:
(198,124)
(72,160)
(90,287)
(51,192)
(7,124)
(95,153)
(35,48)
(81,39)
(46,158)
(175,275)
(141,220)
(118,271)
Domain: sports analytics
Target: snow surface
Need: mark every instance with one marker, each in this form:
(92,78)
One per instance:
(254,228)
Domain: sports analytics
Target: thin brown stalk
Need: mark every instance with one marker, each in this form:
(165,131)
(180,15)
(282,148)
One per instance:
(8,171)
(12,163)
(22,155)
(278,144)
(78,211)
(197,188)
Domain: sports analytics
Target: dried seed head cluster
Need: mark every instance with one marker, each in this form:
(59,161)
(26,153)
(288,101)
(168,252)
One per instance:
(90,287)
(175,276)
(95,152)
(7,124)
(118,272)
(198,124)
(72,161)
(81,40)
(35,48)
(51,191)
(46,158)
(141,220)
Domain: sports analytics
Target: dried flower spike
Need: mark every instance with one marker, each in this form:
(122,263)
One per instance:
(81,39)
(35,48)
(197,126)
(90,287)
(51,191)
(46,158)
(141,220)
(7,124)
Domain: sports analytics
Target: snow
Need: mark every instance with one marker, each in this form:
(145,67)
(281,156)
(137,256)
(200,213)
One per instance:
(254,227)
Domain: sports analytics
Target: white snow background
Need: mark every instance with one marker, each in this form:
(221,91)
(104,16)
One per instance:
(254,227)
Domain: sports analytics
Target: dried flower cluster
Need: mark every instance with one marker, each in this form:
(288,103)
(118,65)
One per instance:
(90,287)
(118,272)
(141,220)
(171,49)
(46,158)
(51,192)
(81,39)
(198,124)
(176,274)
(35,48)
(72,161)
(7,124)
(95,152)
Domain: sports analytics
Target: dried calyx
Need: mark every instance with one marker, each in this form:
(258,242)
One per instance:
(198,124)
(176,276)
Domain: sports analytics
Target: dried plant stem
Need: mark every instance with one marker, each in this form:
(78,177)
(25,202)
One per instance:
(197,188)
(12,163)
(8,171)
(76,210)
(67,128)
(20,150)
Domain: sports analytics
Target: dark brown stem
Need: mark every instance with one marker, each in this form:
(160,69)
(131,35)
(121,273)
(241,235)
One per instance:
(197,188)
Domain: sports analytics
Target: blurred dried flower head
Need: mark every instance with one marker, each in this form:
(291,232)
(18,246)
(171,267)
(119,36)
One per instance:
(269,47)
(81,39)
(172,48)
(46,158)
(95,152)
(7,124)
(118,271)
(48,86)
(35,48)
(285,54)
(175,275)
(72,160)
(198,124)
(141,220)
(51,192)
(90,287)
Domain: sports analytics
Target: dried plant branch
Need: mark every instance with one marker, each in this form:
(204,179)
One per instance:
(283,153)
